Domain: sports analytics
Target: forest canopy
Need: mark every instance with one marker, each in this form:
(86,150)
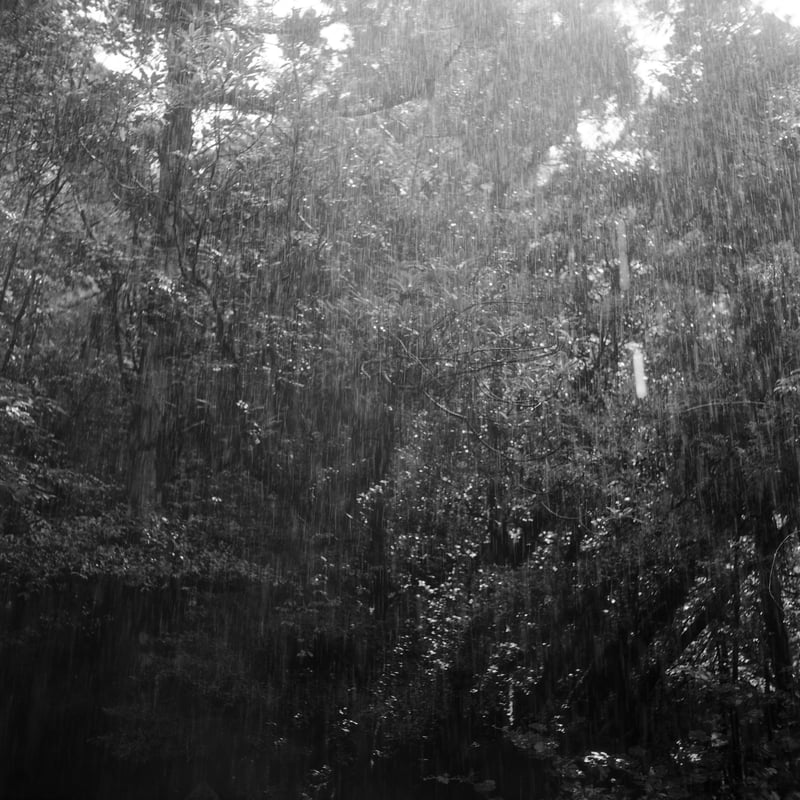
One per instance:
(399,382)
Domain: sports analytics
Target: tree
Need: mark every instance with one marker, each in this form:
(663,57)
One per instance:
(396,401)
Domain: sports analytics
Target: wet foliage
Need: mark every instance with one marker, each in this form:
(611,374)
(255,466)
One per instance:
(399,399)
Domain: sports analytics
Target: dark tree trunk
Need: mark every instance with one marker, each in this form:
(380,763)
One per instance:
(153,417)
(382,444)
(146,432)
(177,131)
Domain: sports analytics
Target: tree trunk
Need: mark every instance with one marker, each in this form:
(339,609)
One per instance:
(177,132)
(148,419)
(152,418)
(768,540)
(382,440)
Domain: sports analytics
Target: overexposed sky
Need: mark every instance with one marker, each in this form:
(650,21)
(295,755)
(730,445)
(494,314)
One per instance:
(652,37)
(789,9)
(284,8)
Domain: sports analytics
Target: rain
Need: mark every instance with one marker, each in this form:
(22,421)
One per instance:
(399,399)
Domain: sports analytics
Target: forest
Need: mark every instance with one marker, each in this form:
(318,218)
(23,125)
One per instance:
(399,399)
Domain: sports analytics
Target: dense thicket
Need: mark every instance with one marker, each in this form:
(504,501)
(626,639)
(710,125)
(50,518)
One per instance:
(398,398)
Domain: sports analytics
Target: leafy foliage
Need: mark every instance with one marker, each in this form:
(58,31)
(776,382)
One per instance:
(369,408)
